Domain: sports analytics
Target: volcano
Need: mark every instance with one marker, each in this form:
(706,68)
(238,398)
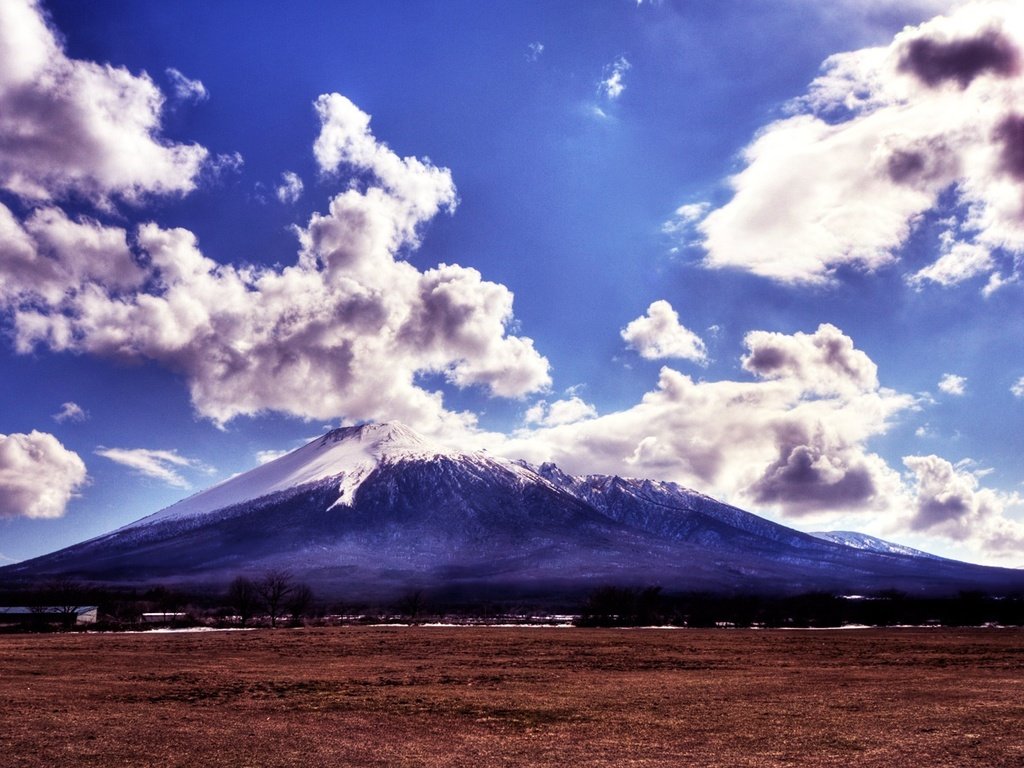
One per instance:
(372,511)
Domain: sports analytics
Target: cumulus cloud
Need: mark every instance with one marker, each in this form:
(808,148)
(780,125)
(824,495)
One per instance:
(613,84)
(949,501)
(185,88)
(70,412)
(38,475)
(70,126)
(952,384)
(932,123)
(1018,387)
(290,188)
(567,411)
(659,334)
(160,465)
(959,262)
(347,330)
(48,254)
(822,363)
(795,439)
(534,50)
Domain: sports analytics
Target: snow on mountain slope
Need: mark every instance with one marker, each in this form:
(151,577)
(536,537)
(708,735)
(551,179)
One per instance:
(864,542)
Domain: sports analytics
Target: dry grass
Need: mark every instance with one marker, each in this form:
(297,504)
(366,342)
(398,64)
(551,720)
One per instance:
(380,696)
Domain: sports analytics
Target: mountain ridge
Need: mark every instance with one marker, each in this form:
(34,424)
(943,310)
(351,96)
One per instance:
(376,509)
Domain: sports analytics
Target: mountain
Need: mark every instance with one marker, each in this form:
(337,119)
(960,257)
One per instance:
(374,510)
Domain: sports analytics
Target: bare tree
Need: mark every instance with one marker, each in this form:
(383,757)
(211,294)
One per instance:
(64,596)
(165,600)
(412,604)
(274,589)
(244,598)
(300,601)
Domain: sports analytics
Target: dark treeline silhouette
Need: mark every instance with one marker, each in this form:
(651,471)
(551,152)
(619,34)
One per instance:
(276,598)
(630,606)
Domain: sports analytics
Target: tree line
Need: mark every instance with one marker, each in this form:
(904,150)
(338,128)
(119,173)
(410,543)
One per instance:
(272,598)
(614,606)
(276,598)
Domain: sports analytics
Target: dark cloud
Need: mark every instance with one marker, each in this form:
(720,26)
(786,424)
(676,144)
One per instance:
(935,61)
(935,511)
(766,360)
(444,313)
(1010,134)
(796,482)
(923,162)
(905,166)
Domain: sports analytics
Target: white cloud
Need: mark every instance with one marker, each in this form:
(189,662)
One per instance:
(157,464)
(38,475)
(417,188)
(1018,387)
(952,384)
(659,334)
(48,254)
(794,440)
(959,262)
(265,457)
(823,363)
(534,50)
(879,138)
(290,188)
(69,126)
(996,281)
(70,412)
(949,501)
(229,162)
(685,219)
(345,331)
(185,88)
(567,411)
(613,83)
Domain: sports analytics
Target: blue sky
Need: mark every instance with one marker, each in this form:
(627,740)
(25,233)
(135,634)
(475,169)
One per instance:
(770,250)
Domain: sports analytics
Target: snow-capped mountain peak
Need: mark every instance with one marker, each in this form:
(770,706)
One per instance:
(386,437)
(348,454)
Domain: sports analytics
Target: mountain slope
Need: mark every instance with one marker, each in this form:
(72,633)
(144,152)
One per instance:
(376,509)
(868,543)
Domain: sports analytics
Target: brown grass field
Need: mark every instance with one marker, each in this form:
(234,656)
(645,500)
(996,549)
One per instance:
(431,696)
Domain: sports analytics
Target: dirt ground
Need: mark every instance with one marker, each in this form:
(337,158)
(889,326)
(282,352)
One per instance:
(426,696)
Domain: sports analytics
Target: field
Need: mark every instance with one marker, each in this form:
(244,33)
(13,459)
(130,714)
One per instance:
(431,696)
